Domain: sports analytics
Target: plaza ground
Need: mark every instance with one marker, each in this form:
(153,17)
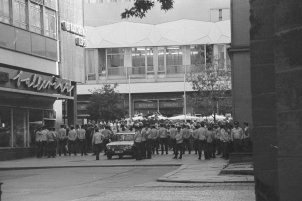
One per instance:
(77,178)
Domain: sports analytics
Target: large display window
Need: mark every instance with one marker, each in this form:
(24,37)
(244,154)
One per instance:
(20,124)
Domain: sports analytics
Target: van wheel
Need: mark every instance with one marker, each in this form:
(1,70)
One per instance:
(120,156)
(109,156)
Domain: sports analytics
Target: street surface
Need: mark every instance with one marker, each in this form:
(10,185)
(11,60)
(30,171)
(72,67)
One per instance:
(111,184)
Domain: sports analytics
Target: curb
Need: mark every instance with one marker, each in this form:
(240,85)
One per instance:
(201,182)
(238,172)
(86,166)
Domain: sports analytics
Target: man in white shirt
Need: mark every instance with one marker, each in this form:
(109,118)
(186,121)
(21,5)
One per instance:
(236,136)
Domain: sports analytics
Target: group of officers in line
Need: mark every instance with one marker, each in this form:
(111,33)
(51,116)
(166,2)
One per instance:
(207,139)
(204,138)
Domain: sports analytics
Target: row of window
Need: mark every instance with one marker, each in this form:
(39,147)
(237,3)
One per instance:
(105,1)
(145,58)
(31,16)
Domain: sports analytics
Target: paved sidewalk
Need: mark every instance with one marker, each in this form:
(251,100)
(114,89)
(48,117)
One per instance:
(239,169)
(191,169)
(206,172)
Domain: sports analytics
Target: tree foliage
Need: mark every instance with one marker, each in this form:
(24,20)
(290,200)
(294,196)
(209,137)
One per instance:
(212,85)
(141,7)
(104,104)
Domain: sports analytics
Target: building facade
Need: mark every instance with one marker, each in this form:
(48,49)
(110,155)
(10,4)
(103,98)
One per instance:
(151,63)
(30,73)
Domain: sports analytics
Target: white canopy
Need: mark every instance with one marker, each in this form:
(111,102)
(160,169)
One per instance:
(180,32)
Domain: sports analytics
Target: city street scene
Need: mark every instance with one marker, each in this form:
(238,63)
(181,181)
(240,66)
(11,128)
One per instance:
(183,100)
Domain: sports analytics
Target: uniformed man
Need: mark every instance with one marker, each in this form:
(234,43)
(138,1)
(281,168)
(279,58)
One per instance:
(51,142)
(186,139)
(172,134)
(72,137)
(163,139)
(97,142)
(179,143)
(201,140)
(154,136)
(138,142)
(81,134)
(236,136)
(62,140)
(195,138)
(107,133)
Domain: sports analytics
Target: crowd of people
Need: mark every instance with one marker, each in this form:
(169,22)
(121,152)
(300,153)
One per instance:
(205,139)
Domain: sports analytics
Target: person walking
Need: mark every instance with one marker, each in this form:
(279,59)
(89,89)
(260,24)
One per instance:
(51,142)
(62,140)
(97,143)
(236,136)
(81,135)
(179,143)
(72,137)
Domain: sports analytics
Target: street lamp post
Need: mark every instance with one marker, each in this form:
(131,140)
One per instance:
(185,99)
(129,82)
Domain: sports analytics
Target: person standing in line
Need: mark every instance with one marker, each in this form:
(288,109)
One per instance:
(201,140)
(186,139)
(39,149)
(225,138)
(236,136)
(145,130)
(172,134)
(179,143)
(107,133)
(246,138)
(44,141)
(62,138)
(210,134)
(138,142)
(97,142)
(51,142)
(195,138)
(149,142)
(154,136)
(72,137)
(81,134)
(163,139)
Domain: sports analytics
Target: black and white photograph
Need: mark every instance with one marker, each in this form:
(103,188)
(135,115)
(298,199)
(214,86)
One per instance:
(150,100)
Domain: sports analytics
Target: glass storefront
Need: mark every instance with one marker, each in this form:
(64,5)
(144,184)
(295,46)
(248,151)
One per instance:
(18,126)
(5,127)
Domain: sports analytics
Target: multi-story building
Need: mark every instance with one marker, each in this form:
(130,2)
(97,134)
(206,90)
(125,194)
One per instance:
(151,58)
(33,72)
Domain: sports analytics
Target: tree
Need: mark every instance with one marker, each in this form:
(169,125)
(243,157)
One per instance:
(104,104)
(212,85)
(141,7)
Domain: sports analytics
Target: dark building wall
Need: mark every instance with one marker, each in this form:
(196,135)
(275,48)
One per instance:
(276,72)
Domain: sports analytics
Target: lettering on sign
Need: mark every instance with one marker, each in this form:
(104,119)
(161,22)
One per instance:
(38,83)
(72,28)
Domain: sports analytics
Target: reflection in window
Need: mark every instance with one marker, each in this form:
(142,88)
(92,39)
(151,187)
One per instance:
(115,57)
(19,13)
(161,59)
(20,127)
(35,18)
(4,11)
(197,54)
(90,64)
(50,23)
(5,127)
(174,60)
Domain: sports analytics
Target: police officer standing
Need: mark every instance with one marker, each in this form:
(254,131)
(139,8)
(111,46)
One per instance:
(51,142)
(97,141)
(138,142)
(81,134)
(62,140)
(172,134)
(179,143)
(72,137)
